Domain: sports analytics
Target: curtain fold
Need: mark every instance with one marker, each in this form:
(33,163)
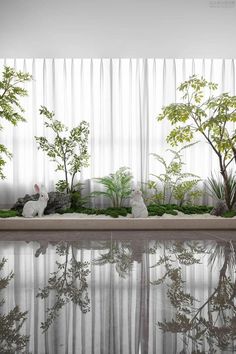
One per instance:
(120,98)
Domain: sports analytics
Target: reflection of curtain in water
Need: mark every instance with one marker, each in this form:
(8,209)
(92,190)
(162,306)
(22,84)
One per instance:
(124,310)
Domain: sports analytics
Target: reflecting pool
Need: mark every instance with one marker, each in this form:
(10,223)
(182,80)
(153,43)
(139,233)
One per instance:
(117,296)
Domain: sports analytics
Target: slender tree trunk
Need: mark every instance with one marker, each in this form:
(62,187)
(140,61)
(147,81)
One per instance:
(66,176)
(224,174)
(72,182)
(234,152)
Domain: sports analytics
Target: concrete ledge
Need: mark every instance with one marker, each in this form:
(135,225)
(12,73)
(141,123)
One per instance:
(40,224)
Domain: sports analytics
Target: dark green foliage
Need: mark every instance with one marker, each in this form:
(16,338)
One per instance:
(68,282)
(154,209)
(114,212)
(117,186)
(11,340)
(10,108)
(172,209)
(77,199)
(229,214)
(194,209)
(69,149)
(8,213)
(159,210)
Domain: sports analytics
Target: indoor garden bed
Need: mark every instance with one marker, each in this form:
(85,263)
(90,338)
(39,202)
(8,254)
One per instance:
(108,259)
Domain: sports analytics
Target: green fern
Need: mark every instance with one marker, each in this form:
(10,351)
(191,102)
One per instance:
(117,186)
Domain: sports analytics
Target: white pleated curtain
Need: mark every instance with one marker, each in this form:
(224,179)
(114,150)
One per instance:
(120,98)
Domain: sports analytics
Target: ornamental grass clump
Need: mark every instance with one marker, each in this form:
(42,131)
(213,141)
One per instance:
(117,187)
(216,188)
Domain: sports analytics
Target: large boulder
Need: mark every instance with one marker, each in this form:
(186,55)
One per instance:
(57,201)
(220,208)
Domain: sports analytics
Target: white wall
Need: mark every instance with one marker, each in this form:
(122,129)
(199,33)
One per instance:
(131,28)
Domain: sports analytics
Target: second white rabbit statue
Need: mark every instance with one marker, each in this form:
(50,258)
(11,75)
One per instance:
(139,209)
(36,207)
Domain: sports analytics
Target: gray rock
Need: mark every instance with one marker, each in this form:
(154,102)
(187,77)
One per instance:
(220,208)
(57,201)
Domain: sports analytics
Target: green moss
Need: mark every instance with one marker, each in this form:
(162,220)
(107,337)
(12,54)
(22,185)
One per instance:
(172,209)
(113,212)
(156,209)
(153,210)
(8,213)
(194,209)
(229,214)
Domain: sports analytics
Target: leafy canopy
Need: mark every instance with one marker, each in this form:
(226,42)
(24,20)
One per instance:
(212,117)
(200,112)
(68,149)
(11,91)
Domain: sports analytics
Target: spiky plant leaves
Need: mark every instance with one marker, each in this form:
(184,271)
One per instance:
(117,186)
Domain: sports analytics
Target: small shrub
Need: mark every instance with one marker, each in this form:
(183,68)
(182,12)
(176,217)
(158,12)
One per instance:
(117,187)
(77,199)
(69,149)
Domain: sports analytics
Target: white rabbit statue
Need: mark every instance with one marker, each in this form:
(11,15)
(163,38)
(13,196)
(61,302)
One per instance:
(139,209)
(36,207)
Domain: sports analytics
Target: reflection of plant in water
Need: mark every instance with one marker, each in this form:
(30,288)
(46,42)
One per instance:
(69,282)
(11,341)
(123,255)
(120,255)
(215,319)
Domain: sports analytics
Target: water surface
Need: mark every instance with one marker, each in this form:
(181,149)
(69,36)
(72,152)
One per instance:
(118,296)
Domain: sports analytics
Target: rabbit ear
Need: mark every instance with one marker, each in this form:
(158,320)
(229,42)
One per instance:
(37,189)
